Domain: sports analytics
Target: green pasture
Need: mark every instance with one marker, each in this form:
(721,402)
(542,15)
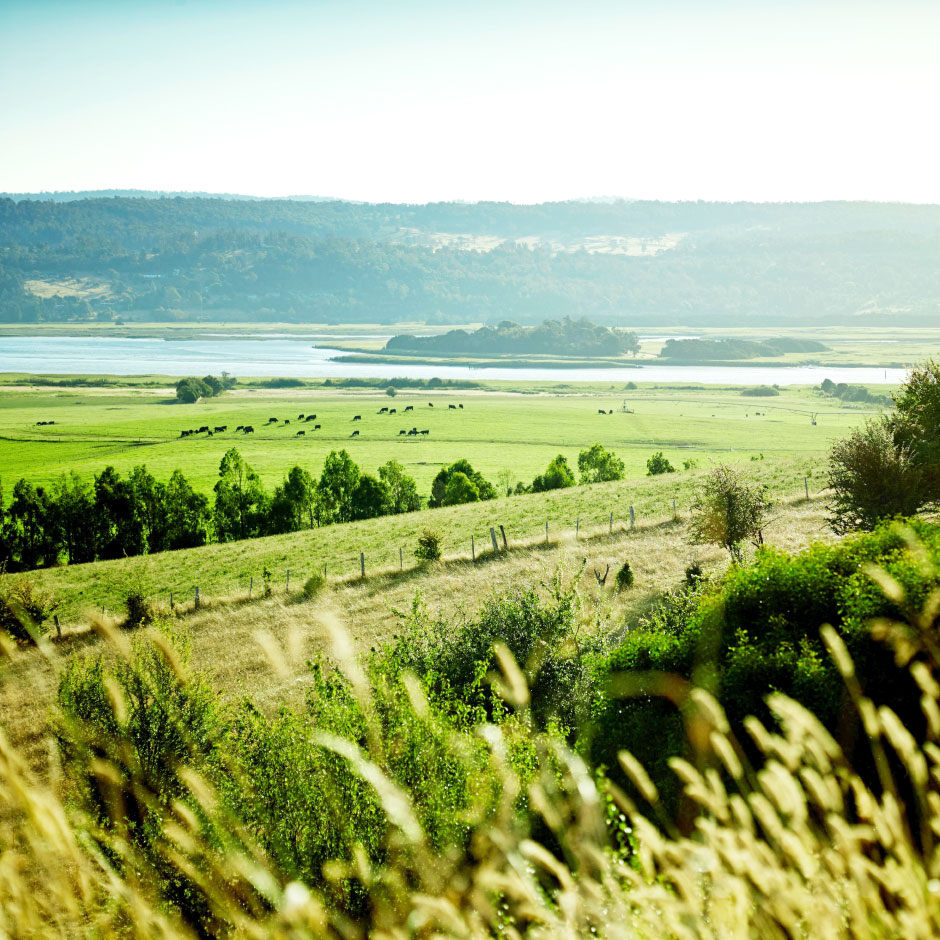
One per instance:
(496,430)
(226,570)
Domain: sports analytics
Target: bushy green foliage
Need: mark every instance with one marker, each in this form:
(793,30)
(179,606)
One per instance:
(761,391)
(391,391)
(429,546)
(598,465)
(25,609)
(705,349)
(728,510)
(757,630)
(479,488)
(138,609)
(557,476)
(624,576)
(658,464)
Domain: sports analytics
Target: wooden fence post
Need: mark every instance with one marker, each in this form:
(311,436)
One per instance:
(495,543)
(674,513)
(401,559)
(632,518)
(806,486)
(546,531)
(610,529)
(171,600)
(473,549)
(577,526)
(287,591)
(251,585)
(362,564)
(58,626)
(196,605)
(505,543)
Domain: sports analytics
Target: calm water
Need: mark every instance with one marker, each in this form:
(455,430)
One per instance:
(299,358)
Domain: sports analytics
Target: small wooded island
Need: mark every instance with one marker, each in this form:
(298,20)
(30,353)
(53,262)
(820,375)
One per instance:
(564,337)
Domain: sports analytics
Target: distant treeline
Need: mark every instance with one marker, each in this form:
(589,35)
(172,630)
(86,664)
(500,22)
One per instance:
(564,337)
(737,348)
(215,259)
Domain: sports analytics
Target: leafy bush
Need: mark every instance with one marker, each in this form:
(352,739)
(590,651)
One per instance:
(761,391)
(873,477)
(658,464)
(557,476)
(138,609)
(429,546)
(624,577)
(728,510)
(25,609)
(597,465)
(391,391)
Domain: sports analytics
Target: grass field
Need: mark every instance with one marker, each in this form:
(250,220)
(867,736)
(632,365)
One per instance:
(496,430)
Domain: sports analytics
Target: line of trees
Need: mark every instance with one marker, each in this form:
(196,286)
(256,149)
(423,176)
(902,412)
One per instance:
(73,521)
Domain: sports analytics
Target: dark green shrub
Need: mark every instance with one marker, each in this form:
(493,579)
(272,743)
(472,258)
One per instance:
(658,464)
(138,609)
(25,609)
(694,574)
(624,577)
(391,391)
(429,546)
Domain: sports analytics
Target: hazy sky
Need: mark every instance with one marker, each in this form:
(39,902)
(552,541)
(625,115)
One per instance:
(521,101)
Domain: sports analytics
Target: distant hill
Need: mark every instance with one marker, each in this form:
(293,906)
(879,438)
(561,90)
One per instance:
(75,195)
(169,256)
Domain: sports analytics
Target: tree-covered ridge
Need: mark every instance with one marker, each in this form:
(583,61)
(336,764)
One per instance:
(335,261)
(737,348)
(565,337)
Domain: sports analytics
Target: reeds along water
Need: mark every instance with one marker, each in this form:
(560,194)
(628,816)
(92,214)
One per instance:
(793,845)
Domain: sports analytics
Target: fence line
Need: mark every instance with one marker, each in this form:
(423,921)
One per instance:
(522,539)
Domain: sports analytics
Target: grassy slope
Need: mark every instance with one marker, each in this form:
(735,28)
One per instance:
(236,644)
(496,430)
(225,570)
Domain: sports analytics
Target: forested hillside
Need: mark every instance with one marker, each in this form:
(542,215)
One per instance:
(620,263)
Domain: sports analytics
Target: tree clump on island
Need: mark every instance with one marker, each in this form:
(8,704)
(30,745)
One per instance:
(722,349)
(565,337)
(191,389)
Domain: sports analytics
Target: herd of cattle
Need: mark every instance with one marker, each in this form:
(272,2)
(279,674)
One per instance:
(306,419)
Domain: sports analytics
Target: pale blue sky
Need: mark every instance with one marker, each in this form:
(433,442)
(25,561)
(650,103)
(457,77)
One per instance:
(411,101)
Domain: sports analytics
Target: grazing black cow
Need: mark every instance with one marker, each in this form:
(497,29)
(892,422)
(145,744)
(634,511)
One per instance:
(300,417)
(205,427)
(316,427)
(452,407)
(248,429)
(611,411)
(208,434)
(184,433)
(241,427)
(383,411)
(392,411)
(410,408)
(357,417)
(287,421)
(272,420)
(601,411)
(221,428)
(460,406)
(354,434)
(412,432)
(425,432)
(430,404)
(301,433)
(402,431)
